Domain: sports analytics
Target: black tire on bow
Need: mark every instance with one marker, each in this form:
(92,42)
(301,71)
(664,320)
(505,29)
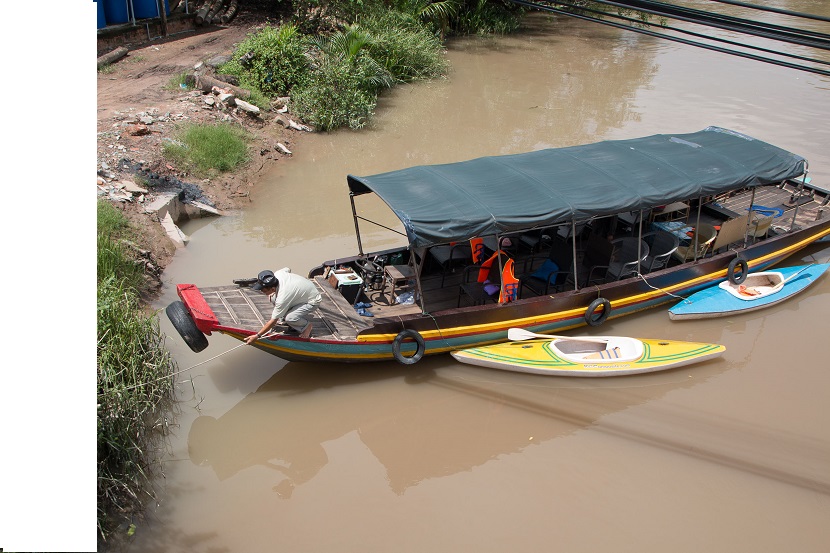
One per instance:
(740,276)
(419,350)
(590,315)
(184,325)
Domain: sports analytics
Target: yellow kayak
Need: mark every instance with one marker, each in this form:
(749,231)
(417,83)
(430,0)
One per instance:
(589,356)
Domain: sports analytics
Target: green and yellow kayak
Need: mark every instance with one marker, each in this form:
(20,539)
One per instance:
(589,356)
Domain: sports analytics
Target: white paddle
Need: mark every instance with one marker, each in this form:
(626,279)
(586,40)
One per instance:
(518,334)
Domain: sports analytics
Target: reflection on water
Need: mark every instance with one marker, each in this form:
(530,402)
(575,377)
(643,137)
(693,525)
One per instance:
(421,422)
(728,455)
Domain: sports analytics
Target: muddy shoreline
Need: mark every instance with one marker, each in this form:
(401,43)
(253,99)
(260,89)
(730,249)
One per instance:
(138,111)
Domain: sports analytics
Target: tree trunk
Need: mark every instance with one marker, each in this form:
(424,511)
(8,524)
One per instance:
(206,84)
(231,12)
(113,56)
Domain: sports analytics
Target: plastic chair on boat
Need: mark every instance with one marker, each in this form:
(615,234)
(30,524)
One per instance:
(759,226)
(661,246)
(487,285)
(703,237)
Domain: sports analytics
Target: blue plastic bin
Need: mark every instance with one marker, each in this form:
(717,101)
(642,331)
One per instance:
(116,11)
(102,17)
(146,9)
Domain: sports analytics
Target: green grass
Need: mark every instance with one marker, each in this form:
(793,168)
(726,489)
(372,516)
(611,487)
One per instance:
(207,150)
(134,382)
(177,82)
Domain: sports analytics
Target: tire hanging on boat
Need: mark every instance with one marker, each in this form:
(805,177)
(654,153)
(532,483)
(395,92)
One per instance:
(419,350)
(184,325)
(598,320)
(742,274)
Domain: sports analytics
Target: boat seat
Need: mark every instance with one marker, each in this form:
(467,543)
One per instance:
(703,236)
(486,286)
(759,226)
(731,231)
(661,246)
(541,274)
(447,256)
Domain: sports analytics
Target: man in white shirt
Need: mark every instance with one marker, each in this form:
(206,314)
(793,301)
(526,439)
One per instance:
(294,298)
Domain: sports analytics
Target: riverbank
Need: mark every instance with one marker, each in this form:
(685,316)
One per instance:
(138,110)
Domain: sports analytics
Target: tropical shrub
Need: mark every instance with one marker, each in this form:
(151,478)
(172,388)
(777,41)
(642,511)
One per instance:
(272,61)
(337,97)
(404,46)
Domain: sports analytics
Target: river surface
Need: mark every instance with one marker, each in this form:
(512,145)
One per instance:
(729,455)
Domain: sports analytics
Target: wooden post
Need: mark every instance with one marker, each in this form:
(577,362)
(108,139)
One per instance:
(163,16)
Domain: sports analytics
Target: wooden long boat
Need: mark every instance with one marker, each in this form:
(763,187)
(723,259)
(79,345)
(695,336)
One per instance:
(421,303)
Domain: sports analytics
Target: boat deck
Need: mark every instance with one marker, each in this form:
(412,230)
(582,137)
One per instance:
(337,319)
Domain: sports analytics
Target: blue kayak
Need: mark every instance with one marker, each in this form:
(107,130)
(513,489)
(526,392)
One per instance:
(757,291)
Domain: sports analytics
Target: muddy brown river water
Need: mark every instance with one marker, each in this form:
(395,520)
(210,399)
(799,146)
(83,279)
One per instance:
(729,455)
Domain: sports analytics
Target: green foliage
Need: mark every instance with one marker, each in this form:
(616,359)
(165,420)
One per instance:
(485,17)
(177,82)
(349,50)
(407,49)
(134,388)
(133,378)
(272,61)
(314,16)
(208,149)
(337,97)
(113,257)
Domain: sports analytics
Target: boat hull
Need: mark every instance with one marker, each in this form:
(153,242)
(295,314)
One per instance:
(541,357)
(473,326)
(715,301)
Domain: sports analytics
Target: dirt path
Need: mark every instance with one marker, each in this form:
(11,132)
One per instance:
(136,112)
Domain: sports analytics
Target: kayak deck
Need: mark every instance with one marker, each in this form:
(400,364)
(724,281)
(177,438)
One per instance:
(542,357)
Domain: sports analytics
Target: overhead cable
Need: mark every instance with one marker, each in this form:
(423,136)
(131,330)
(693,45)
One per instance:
(698,35)
(548,8)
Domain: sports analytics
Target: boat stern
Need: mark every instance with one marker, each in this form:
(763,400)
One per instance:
(197,307)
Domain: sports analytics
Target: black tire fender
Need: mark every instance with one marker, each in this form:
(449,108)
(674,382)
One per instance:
(591,311)
(419,351)
(742,274)
(184,325)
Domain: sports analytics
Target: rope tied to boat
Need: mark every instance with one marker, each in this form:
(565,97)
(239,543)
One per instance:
(187,369)
(660,289)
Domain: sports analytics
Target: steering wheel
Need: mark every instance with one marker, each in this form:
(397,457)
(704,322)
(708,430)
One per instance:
(368,267)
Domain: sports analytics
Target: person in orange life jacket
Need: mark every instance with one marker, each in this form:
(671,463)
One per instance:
(294,298)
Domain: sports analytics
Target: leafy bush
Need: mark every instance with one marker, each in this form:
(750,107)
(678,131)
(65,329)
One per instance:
(407,49)
(337,97)
(485,17)
(207,149)
(272,61)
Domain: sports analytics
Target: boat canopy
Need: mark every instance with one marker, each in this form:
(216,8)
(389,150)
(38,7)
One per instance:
(495,195)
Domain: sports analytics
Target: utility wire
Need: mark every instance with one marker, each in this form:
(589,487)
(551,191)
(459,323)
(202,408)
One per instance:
(547,8)
(771,31)
(773,10)
(698,35)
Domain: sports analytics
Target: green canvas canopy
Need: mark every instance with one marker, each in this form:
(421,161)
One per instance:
(492,195)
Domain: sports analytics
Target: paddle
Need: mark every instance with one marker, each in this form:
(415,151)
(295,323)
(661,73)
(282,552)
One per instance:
(518,334)
(796,274)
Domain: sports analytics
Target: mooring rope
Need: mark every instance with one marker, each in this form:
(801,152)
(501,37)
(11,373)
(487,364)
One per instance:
(660,289)
(187,369)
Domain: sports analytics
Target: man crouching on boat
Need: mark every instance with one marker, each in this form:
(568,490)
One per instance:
(294,298)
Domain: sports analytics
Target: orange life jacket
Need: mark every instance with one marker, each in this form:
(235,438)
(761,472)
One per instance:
(509,284)
(477,247)
(484,271)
